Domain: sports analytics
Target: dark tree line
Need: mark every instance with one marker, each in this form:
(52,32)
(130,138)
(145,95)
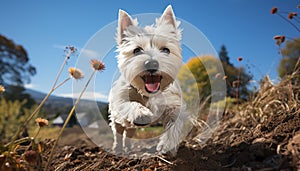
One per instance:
(15,71)
(236,77)
(15,68)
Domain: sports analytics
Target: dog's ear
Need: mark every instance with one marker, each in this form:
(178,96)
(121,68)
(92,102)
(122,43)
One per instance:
(124,22)
(169,17)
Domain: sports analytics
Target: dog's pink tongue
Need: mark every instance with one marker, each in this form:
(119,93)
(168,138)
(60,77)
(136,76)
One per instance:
(152,83)
(152,87)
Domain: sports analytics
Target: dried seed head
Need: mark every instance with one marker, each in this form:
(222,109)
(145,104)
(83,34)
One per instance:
(279,39)
(2,89)
(69,50)
(97,65)
(218,75)
(72,49)
(235,83)
(282,38)
(291,15)
(240,59)
(41,122)
(75,73)
(31,156)
(276,37)
(274,10)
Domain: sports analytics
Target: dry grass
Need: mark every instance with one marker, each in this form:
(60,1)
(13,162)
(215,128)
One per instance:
(145,133)
(12,156)
(282,98)
(271,99)
(48,133)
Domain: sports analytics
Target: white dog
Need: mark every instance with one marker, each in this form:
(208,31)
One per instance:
(149,59)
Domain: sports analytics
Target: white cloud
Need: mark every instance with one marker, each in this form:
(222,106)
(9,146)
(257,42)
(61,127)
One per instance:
(31,86)
(59,46)
(86,52)
(86,95)
(90,53)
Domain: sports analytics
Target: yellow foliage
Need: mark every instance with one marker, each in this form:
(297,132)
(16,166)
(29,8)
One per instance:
(12,114)
(196,77)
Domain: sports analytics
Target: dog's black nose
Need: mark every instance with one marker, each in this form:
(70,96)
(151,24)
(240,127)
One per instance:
(151,65)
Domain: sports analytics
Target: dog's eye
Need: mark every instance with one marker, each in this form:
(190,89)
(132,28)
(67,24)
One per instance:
(137,51)
(165,50)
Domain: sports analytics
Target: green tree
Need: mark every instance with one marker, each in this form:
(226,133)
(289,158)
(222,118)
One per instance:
(15,71)
(14,92)
(200,73)
(223,55)
(104,113)
(194,77)
(290,56)
(14,63)
(12,114)
(237,79)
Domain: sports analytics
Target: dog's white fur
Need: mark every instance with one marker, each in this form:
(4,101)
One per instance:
(128,98)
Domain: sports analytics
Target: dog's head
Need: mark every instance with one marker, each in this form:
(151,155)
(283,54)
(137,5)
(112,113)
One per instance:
(149,57)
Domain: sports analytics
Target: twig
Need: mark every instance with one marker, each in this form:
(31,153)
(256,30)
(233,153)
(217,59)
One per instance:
(68,119)
(22,127)
(164,160)
(289,22)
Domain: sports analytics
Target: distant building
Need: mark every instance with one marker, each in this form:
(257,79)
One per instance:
(82,120)
(94,125)
(58,121)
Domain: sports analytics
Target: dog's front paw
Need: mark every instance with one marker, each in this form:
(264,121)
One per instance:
(140,115)
(165,150)
(142,120)
(145,111)
(162,147)
(167,147)
(144,117)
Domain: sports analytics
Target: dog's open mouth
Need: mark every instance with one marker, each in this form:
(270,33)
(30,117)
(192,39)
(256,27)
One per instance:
(152,82)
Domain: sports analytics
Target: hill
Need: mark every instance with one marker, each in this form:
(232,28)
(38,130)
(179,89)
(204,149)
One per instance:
(60,105)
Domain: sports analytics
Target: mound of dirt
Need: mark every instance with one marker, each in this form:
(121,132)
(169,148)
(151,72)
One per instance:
(265,146)
(272,145)
(264,134)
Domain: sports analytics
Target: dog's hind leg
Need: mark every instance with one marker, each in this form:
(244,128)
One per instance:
(118,131)
(174,125)
(127,134)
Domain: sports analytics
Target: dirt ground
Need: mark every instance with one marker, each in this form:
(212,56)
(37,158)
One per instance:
(236,145)
(261,134)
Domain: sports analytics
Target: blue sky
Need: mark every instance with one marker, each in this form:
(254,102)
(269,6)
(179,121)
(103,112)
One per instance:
(245,27)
